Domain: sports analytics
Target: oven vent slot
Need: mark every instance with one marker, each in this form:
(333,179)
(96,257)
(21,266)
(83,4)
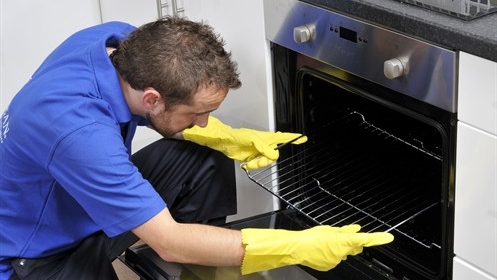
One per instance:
(352,171)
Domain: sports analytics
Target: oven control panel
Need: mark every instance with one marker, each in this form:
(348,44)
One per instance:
(407,65)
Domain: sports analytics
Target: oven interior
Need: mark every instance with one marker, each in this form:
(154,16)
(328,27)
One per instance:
(370,160)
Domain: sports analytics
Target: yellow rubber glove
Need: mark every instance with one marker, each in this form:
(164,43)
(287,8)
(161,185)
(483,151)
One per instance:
(256,148)
(320,247)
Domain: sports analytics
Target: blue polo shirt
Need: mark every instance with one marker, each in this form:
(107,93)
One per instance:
(65,172)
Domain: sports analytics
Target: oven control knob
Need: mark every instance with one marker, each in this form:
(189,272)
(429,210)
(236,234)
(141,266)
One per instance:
(394,68)
(304,33)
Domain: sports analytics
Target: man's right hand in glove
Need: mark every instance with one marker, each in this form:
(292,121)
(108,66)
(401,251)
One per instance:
(320,247)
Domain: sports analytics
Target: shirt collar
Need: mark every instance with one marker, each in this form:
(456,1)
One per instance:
(108,83)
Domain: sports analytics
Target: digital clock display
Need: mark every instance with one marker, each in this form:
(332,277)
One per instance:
(348,34)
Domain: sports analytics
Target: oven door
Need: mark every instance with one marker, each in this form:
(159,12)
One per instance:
(149,266)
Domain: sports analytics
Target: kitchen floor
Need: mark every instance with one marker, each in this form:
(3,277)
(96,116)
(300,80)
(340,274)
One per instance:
(123,271)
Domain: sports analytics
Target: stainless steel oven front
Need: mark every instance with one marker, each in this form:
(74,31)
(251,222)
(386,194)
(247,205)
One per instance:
(379,109)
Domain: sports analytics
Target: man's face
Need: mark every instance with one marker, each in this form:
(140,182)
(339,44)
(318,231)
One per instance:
(179,117)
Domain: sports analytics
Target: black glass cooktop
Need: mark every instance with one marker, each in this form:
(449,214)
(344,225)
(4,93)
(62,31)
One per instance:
(464,9)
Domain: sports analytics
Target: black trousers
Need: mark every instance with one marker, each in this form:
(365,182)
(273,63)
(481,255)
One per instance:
(197,183)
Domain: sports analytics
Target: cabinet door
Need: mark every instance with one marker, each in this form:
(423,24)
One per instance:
(464,271)
(477,99)
(30,30)
(475,236)
(135,12)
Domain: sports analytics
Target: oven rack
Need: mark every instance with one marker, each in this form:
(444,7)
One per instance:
(381,185)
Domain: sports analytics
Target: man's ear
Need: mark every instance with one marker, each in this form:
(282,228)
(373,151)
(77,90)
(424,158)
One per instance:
(151,98)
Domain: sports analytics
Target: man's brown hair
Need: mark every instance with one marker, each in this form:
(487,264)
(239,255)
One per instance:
(176,57)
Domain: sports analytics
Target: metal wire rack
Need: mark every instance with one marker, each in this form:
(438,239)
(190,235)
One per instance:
(353,172)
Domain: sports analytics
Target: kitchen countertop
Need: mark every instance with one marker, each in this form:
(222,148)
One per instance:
(477,36)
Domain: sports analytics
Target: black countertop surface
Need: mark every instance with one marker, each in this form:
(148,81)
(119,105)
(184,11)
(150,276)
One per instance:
(477,36)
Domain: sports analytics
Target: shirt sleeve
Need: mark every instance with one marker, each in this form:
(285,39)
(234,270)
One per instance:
(93,166)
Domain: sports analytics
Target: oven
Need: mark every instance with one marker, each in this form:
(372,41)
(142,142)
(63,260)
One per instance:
(379,110)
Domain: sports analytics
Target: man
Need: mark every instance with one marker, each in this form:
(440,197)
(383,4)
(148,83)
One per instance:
(72,198)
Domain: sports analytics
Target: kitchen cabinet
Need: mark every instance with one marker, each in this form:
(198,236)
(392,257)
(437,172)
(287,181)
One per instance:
(475,236)
(477,99)
(241,25)
(30,30)
(465,271)
(135,12)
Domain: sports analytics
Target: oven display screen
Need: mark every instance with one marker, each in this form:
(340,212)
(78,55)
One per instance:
(348,34)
